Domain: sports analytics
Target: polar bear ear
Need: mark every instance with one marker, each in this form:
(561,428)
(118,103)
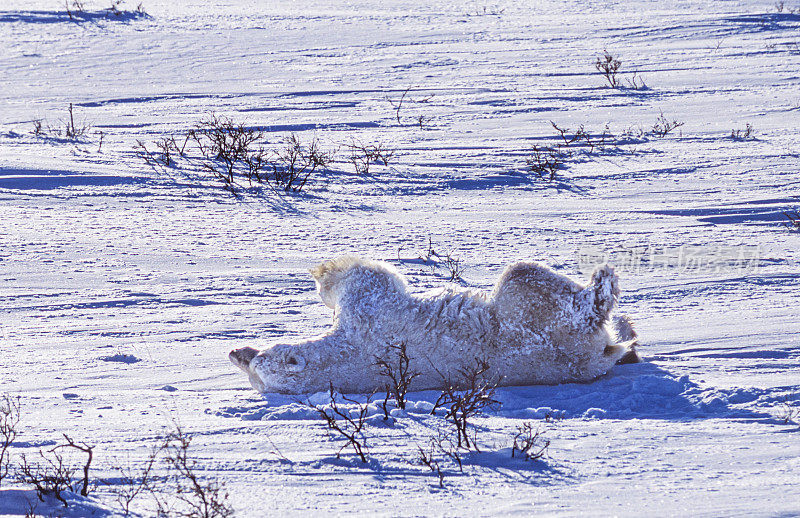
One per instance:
(317,272)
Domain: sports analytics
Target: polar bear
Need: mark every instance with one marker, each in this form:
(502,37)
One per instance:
(535,327)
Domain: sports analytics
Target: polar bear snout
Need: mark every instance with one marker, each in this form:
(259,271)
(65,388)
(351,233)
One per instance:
(277,357)
(242,357)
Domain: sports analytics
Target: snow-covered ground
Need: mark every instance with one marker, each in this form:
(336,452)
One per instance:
(122,288)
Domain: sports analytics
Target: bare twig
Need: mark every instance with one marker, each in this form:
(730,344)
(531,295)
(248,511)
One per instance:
(663,126)
(400,374)
(608,65)
(202,499)
(89,451)
(464,403)
(528,444)
(340,421)
(9,420)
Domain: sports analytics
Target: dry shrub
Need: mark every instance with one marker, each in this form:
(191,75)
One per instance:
(196,497)
(468,398)
(341,421)
(608,65)
(663,126)
(9,421)
(400,375)
(528,442)
(296,163)
(362,156)
(54,473)
(743,134)
(544,162)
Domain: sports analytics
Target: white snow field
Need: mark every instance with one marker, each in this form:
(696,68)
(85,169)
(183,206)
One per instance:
(123,286)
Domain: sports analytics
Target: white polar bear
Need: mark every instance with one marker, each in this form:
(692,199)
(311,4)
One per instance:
(536,327)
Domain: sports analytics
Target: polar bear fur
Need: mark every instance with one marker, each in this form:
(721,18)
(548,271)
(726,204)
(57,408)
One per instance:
(535,327)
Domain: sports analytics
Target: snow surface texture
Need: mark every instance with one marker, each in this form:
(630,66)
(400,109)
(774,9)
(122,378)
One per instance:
(536,327)
(102,258)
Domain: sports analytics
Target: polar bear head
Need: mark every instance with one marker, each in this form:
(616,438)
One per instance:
(277,369)
(350,272)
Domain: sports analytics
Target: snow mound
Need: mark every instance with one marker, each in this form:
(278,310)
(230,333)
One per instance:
(19,502)
(636,391)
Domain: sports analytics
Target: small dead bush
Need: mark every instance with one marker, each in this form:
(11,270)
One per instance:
(345,423)
(49,476)
(77,12)
(362,156)
(73,131)
(226,148)
(789,413)
(743,134)
(9,421)
(663,126)
(77,6)
(568,144)
(234,153)
(180,492)
(134,483)
(167,150)
(581,138)
(398,372)
(427,458)
(397,105)
(636,82)
(296,163)
(453,267)
(53,474)
(780,7)
(609,66)
(492,10)
(114,7)
(196,498)
(793,222)
(467,398)
(528,443)
(544,162)
(442,445)
(65,128)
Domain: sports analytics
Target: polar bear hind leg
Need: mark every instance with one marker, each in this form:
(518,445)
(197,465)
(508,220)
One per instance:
(605,285)
(533,295)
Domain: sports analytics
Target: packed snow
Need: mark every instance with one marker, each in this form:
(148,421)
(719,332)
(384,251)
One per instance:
(125,285)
